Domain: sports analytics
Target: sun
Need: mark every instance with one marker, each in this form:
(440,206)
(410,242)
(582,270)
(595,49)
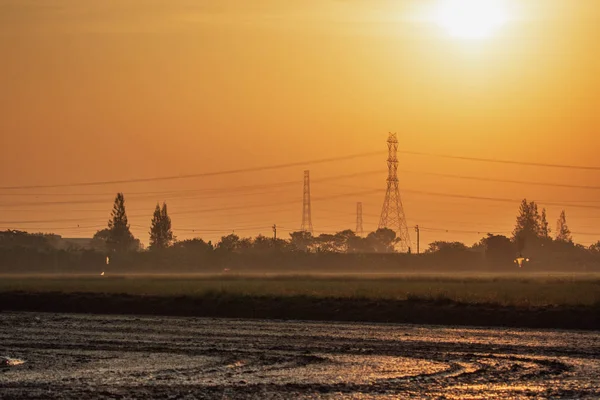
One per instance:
(471,19)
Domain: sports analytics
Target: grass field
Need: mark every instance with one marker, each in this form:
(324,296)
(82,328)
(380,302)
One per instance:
(507,290)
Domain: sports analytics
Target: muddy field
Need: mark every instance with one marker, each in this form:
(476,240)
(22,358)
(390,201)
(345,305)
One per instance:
(83,357)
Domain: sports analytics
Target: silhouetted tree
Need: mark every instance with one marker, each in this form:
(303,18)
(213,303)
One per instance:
(100,239)
(527,229)
(325,242)
(301,240)
(499,250)
(544,229)
(229,243)
(357,244)
(244,244)
(383,240)
(156,241)
(563,234)
(14,238)
(342,239)
(161,234)
(166,226)
(119,236)
(595,248)
(262,244)
(445,247)
(195,244)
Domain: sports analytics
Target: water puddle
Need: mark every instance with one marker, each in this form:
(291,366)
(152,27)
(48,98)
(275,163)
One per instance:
(10,362)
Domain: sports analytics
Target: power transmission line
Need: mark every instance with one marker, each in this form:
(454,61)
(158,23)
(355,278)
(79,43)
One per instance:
(423,228)
(193,194)
(475,178)
(201,175)
(502,161)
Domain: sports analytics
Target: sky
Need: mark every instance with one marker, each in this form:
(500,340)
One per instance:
(101,91)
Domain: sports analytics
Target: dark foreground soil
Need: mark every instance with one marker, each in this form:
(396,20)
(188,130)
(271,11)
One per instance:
(84,357)
(440,312)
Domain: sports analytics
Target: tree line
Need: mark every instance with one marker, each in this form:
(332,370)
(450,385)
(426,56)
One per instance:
(531,232)
(531,238)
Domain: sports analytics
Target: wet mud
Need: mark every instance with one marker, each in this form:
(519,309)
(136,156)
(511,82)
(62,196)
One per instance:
(69,356)
(442,311)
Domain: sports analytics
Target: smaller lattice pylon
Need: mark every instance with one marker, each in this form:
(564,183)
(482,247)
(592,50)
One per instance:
(306,210)
(359,219)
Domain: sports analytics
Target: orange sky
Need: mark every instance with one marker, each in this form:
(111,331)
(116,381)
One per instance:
(102,90)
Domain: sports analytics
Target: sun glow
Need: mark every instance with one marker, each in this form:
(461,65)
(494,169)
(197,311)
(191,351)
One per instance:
(471,19)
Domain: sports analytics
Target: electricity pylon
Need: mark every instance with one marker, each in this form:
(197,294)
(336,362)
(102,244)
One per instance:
(359,219)
(392,212)
(306,211)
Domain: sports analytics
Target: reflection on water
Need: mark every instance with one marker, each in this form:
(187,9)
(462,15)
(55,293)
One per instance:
(77,356)
(10,362)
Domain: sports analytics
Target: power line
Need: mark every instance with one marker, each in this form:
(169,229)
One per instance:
(475,178)
(502,161)
(321,198)
(459,230)
(201,175)
(193,194)
(199,211)
(499,199)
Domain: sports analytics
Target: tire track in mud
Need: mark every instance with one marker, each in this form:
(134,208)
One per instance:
(79,356)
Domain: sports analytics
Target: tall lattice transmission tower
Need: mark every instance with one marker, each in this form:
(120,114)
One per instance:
(306,213)
(392,213)
(359,219)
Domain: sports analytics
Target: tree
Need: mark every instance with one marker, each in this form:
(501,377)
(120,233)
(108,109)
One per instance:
(383,240)
(357,244)
(14,238)
(100,240)
(119,236)
(325,242)
(196,244)
(544,229)
(595,248)
(156,241)
(161,234)
(229,243)
(342,240)
(301,240)
(444,247)
(499,250)
(169,238)
(563,234)
(262,244)
(528,227)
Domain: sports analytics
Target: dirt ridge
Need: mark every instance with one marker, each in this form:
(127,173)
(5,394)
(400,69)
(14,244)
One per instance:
(417,311)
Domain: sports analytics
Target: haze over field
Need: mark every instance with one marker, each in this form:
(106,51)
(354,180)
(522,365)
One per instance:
(103,91)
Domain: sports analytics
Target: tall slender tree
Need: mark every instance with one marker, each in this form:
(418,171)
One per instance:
(544,229)
(156,230)
(168,236)
(563,234)
(119,236)
(161,234)
(528,221)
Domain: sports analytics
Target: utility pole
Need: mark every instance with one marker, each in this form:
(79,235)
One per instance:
(418,237)
(274,232)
